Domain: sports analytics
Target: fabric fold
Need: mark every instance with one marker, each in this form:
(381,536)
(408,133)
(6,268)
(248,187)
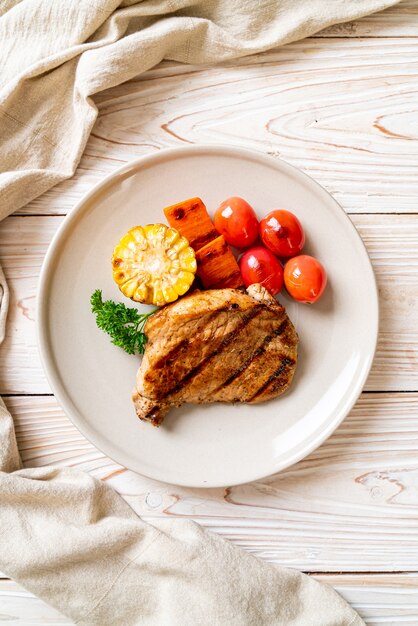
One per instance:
(56,54)
(74,542)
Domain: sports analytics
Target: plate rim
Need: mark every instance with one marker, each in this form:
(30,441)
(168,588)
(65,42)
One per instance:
(47,270)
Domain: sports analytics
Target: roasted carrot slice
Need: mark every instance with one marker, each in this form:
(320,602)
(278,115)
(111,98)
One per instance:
(216,265)
(191,219)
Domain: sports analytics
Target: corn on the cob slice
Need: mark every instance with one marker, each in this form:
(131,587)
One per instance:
(153,264)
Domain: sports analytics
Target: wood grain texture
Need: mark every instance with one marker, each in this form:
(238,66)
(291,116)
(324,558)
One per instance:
(352,505)
(392,241)
(23,244)
(343,110)
(401,20)
(380,600)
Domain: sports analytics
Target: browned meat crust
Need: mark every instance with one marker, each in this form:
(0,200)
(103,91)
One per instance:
(221,345)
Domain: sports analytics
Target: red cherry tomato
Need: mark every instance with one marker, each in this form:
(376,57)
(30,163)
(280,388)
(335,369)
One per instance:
(282,233)
(305,278)
(236,220)
(259,265)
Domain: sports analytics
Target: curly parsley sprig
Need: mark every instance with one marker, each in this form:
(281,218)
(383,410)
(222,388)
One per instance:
(125,325)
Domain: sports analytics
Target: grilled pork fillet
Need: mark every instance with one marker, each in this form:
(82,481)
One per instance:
(222,345)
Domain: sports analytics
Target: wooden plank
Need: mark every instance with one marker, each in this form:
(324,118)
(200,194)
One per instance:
(342,110)
(47,437)
(352,505)
(401,20)
(380,600)
(392,241)
(23,244)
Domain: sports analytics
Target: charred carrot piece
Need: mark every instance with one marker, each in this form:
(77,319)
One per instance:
(191,219)
(216,265)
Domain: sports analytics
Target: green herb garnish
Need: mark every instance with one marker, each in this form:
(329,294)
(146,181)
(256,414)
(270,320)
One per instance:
(124,324)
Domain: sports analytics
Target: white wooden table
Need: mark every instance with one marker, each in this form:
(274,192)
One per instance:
(342,106)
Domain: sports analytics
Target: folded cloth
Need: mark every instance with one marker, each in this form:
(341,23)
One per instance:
(65,536)
(74,542)
(55,54)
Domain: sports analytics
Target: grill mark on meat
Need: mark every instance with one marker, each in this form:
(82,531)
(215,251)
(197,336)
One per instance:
(210,337)
(228,307)
(255,355)
(182,346)
(172,355)
(228,339)
(285,363)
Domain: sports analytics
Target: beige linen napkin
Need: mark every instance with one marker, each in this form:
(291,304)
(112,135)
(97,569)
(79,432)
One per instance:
(55,54)
(65,536)
(74,542)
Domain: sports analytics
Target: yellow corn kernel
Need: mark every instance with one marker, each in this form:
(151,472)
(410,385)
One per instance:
(153,264)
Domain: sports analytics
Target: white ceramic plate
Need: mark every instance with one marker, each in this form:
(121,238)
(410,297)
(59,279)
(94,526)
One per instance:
(218,444)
